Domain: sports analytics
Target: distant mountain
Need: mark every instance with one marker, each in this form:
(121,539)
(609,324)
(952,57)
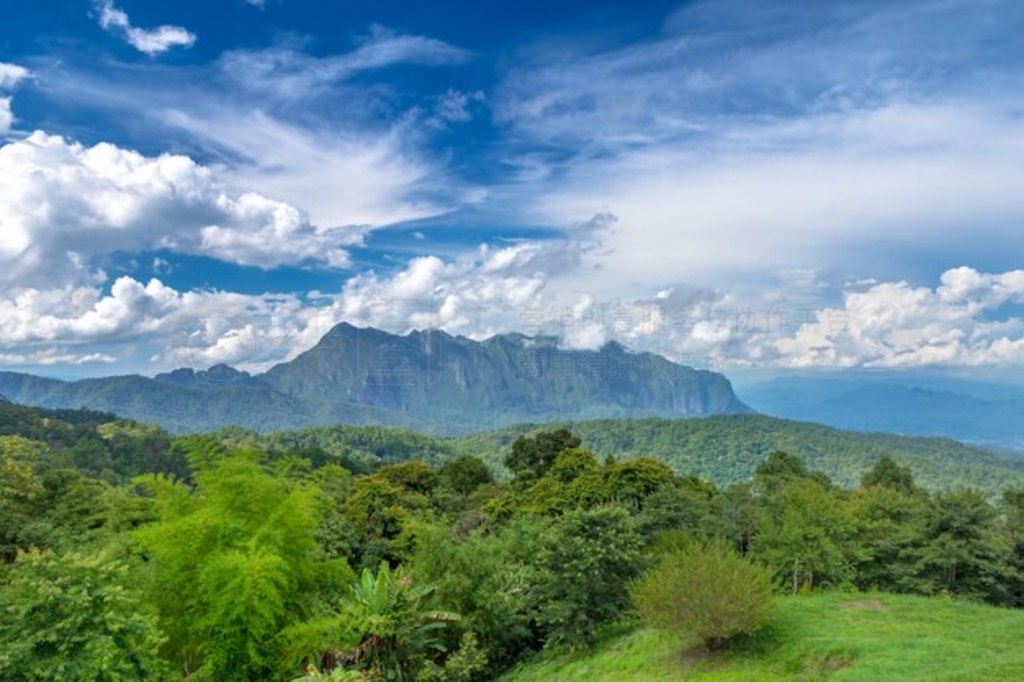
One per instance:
(970,411)
(428,380)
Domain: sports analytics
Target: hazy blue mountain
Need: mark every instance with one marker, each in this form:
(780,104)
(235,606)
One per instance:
(427,380)
(972,411)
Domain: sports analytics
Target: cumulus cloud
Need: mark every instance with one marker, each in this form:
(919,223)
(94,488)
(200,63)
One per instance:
(962,321)
(152,326)
(66,203)
(78,325)
(10,76)
(150,41)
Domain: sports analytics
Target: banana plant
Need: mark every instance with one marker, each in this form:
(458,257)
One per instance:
(394,631)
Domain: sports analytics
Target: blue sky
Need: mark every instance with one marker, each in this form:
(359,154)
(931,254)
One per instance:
(733,184)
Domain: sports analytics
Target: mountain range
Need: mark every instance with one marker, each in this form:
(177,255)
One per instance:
(428,380)
(981,412)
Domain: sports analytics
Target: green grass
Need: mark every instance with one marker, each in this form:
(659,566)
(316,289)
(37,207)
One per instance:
(841,637)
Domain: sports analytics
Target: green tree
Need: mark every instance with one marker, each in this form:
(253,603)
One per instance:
(887,528)
(779,467)
(379,511)
(585,562)
(21,493)
(465,474)
(961,552)
(888,474)
(804,532)
(532,456)
(1013,528)
(74,618)
(414,476)
(485,577)
(230,565)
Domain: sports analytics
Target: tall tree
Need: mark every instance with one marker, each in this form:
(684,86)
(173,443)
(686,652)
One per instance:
(961,552)
(231,564)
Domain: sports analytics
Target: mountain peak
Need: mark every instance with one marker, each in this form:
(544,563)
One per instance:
(216,374)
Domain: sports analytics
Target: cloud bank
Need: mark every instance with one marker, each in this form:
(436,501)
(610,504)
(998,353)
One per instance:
(65,203)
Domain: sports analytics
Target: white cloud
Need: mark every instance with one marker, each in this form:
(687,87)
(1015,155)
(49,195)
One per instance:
(11,75)
(50,358)
(151,326)
(341,180)
(6,115)
(455,107)
(743,140)
(285,73)
(54,325)
(293,126)
(150,41)
(66,203)
(894,324)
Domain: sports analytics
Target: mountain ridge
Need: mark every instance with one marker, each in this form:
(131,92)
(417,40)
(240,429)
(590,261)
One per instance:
(426,379)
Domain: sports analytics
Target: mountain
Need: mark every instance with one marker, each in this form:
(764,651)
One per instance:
(427,380)
(985,413)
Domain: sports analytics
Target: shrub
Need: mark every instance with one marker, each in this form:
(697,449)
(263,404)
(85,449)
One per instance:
(705,592)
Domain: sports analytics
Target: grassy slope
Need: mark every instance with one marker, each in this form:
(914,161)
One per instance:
(822,638)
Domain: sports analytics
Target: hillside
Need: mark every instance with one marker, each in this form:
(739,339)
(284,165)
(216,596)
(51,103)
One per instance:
(848,637)
(430,381)
(725,449)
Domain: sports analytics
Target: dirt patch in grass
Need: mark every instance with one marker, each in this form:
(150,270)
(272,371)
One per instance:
(691,658)
(864,605)
(826,666)
(836,662)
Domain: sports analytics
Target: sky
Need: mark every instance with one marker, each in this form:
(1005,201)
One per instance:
(737,185)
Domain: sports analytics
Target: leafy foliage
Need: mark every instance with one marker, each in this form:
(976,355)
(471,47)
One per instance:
(75,617)
(392,626)
(586,561)
(704,592)
(230,566)
(231,554)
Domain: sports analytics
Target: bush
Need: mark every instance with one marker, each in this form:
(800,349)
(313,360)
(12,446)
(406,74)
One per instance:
(705,592)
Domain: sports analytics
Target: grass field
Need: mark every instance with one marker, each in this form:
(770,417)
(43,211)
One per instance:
(842,637)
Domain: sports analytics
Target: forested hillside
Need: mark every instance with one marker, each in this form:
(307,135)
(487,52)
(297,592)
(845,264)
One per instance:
(723,449)
(372,554)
